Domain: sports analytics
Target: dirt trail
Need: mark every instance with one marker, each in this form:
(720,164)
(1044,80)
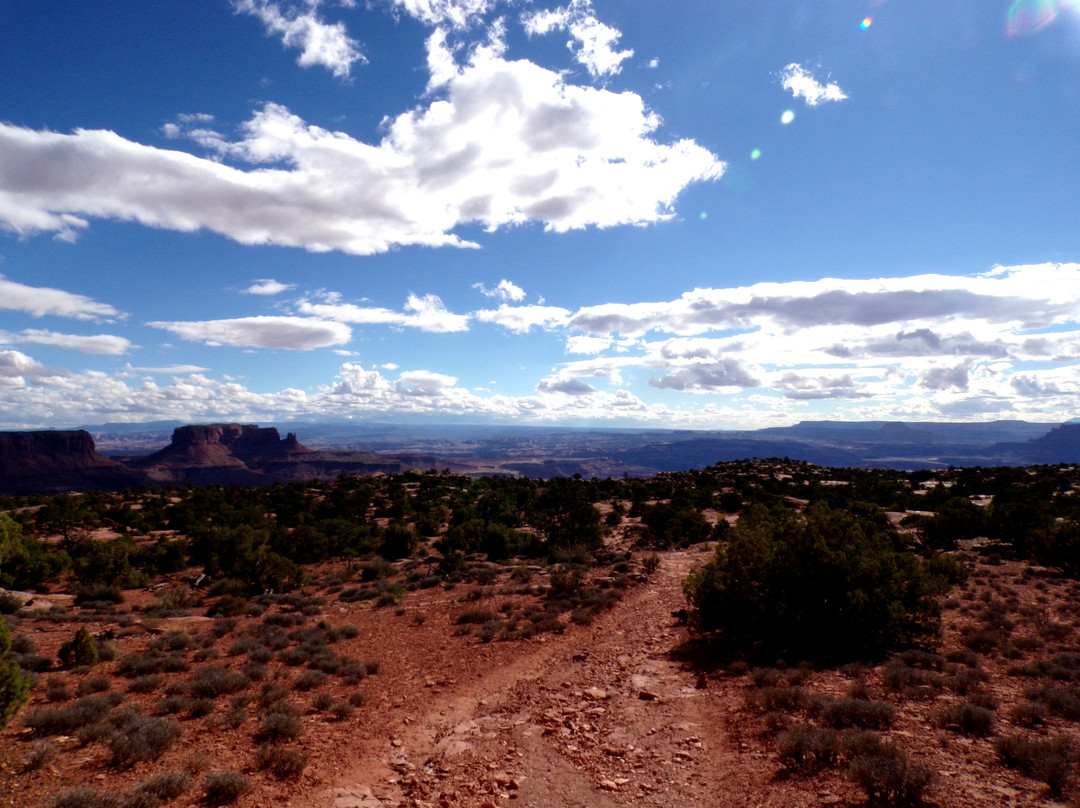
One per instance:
(599,716)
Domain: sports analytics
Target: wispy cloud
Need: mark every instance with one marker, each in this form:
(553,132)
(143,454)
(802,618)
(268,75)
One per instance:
(42,300)
(505,290)
(427,313)
(452,13)
(107,344)
(592,42)
(299,25)
(523,318)
(268,286)
(802,84)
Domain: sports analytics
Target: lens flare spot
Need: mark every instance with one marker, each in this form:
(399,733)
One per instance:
(703,216)
(755,154)
(1029,16)
(787,117)
(866,23)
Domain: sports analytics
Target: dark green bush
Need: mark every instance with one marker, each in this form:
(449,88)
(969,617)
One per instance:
(826,584)
(14,689)
(80,650)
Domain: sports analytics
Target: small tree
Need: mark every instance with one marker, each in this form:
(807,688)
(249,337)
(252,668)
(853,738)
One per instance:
(14,684)
(826,584)
(80,650)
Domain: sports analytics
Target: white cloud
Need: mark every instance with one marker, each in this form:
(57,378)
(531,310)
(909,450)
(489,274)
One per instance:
(520,319)
(725,376)
(580,344)
(506,143)
(803,85)
(14,366)
(427,313)
(42,300)
(168,370)
(454,13)
(592,42)
(506,290)
(290,333)
(96,344)
(565,385)
(423,383)
(1022,297)
(268,286)
(320,43)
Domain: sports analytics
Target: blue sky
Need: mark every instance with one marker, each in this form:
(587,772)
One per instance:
(595,212)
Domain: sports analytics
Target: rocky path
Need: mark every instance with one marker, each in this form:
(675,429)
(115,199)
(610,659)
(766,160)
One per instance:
(600,716)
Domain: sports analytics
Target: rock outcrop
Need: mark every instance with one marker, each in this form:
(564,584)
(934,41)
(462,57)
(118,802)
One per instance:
(246,454)
(225,445)
(57,461)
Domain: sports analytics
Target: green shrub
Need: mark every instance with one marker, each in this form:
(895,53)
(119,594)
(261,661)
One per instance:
(808,748)
(80,650)
(145,738)
(88,798)
(888,777)
(278,726)
(212,681)
(283,763)
(853,712)
(224,788)
(67,720)
(966,718)
(826,584)
(14,689)
(165,786)
(1049,760)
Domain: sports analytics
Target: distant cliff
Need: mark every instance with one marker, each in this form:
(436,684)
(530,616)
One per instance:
(225,444)
(56,461)
(246,454)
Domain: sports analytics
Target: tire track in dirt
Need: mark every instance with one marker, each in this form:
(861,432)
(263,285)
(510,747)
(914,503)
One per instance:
(599,716)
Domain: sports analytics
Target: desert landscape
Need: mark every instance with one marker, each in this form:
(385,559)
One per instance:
(427,639)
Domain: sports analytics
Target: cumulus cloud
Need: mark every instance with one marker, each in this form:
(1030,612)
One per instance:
(423,383)
(42,300)
(800,385)
(802,84)
(299,26)
(566,385)
(502,143)
(427,313)
(727,375)
(592,42)
(505,290)
(289,333)
(15,366)
(268,286)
